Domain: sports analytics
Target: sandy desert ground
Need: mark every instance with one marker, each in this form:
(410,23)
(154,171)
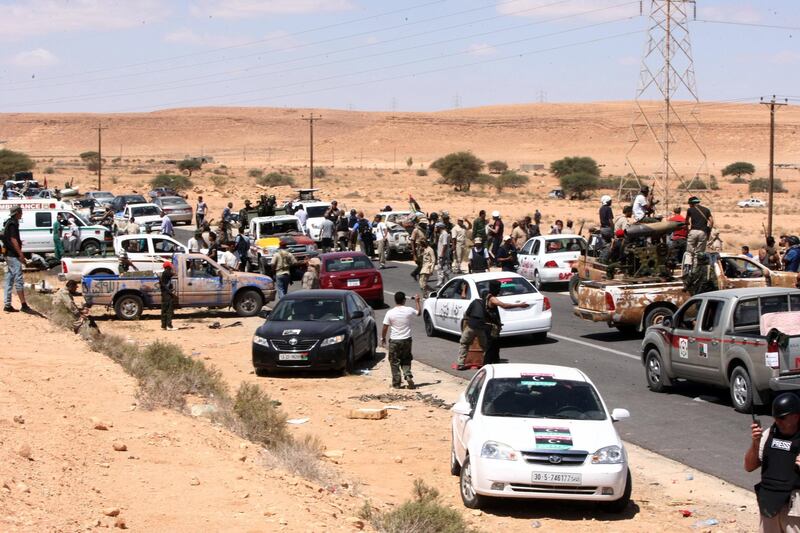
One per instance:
(365,154)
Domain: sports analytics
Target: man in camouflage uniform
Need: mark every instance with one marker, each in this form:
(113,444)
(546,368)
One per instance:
(65,299)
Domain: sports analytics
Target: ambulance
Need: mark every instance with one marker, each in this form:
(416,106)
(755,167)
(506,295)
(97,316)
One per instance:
(36,226)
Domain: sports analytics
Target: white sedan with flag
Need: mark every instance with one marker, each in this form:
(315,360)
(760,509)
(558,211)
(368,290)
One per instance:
(538,431)
(444,309)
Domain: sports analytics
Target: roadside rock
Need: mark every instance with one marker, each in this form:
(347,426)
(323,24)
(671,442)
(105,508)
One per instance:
(120,446)
(194,482)
(22,487)
(333,454)
(398,460)
(24,450)
(111,511)
(203,409)
(19,419)
(355,522)
(120,523)
(368,414)
(100,425)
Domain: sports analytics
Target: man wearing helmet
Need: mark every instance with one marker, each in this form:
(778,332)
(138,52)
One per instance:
(776,452)
(606,214)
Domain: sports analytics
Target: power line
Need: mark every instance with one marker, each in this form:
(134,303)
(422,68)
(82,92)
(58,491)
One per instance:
(751,24)
(150,88)
(241,45)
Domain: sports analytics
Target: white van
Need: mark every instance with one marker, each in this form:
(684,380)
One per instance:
(36,226)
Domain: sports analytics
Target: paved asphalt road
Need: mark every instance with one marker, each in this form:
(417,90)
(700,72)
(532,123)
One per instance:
(694,425)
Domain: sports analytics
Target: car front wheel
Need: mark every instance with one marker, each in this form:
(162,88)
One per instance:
(430,331)
(654,371)
(471,499)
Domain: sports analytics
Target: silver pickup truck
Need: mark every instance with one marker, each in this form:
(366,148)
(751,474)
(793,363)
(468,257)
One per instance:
(714,338)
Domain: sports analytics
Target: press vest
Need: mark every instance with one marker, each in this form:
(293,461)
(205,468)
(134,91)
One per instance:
(779,475)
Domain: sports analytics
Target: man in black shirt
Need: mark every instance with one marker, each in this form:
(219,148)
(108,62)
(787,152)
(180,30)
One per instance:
(606,214)
(507,255)
(15,260)
(699,223)
(168,296)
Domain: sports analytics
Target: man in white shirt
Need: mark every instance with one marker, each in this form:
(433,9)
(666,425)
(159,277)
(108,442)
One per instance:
(227,258)
(381,232)
(133,227)
(194,244)
(640,204)
(399,319)
(302,216)
(326,232)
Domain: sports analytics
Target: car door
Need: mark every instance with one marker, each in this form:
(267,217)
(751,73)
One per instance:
(683,352)
(445,306)
(537,255)
(357,325)
(41,238)
(163,248)
(526,260)
(369,322)
(709,341)
(204,283)
(737,272)
(461,423)
(138,250)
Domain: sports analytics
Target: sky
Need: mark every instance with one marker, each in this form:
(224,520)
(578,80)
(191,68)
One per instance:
(401,55)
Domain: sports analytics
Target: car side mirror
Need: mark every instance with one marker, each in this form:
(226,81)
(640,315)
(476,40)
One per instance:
(619,414)
(667,322)
(433,294)
(357,314)
(462,408)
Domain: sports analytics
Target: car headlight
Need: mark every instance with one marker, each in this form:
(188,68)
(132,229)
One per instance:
(497,450)
(332,340)
(261,341)
(610,455)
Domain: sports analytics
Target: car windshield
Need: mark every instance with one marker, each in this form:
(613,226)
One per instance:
(173,201)
(135,199)
(101,194)
(275,228)
(541,395)
(317,211)
(340,264)
(145,211)
(567,244)
(509,286)
(317,310)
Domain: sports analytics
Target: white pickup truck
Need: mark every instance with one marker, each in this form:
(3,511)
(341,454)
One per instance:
(144,215)
(147,252)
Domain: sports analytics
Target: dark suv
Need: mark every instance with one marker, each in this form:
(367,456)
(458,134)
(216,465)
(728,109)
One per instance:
(119,202)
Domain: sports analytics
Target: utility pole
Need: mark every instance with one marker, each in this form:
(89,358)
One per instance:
(362,158)
(333,156)
(311,118)
(772,105)
(100,129)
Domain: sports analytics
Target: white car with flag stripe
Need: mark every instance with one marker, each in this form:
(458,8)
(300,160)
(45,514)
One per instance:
(538,432)
(549,258)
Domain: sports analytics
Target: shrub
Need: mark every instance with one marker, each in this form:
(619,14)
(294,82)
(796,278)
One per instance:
(220,171)
(219,181)
(190,165)
(275,179)
(255,173)
(409,162)
(510,179)
(116,160)
(458,169)
(179,182)
(695,184)
(261,419)
(613,183)
(49,170)
(738,180)
(301,457)
(422,172)
(579,183)
(762,185)
(424,513)
(11,162)
(574,165)
(320,172)
(713,183)
(140,171)
(497,167)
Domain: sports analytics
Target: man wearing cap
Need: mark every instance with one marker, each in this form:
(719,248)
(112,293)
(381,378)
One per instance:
(427,259)
(282,263)
(12,246)
(65,298)
(478,260)
(699,224)
(776,452)
(442,254)
(168,296)
(459,239)
(606,214)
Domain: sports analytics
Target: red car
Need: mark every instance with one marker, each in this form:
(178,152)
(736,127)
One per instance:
(352,271)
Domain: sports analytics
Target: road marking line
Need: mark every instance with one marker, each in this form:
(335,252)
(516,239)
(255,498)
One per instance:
(596,347)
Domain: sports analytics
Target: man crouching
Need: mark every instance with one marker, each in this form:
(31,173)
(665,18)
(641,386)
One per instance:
(64,298)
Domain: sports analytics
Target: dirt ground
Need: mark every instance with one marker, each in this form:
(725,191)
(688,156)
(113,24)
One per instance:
(182,473)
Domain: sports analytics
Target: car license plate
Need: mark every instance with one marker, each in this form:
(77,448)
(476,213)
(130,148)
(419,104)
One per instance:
(353,282)
(293,356)
(556,479)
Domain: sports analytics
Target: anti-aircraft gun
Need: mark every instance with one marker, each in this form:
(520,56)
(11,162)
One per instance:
(644,251)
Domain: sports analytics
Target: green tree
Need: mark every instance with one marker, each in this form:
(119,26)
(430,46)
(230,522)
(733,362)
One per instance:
(179,182)
(739,168)
(579,183)
(574,165)
(497,167)
(11,161)
(458,169)
(510,180)
(190,165)
(92,160)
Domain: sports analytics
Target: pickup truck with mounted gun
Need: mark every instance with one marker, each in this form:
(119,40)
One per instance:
(199,282)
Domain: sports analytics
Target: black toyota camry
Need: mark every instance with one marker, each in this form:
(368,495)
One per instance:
(318,329)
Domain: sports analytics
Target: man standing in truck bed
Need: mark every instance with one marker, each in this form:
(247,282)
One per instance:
(699,223)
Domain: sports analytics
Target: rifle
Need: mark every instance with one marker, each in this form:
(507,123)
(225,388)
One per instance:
(764,229)
(580,230)
(651,201)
